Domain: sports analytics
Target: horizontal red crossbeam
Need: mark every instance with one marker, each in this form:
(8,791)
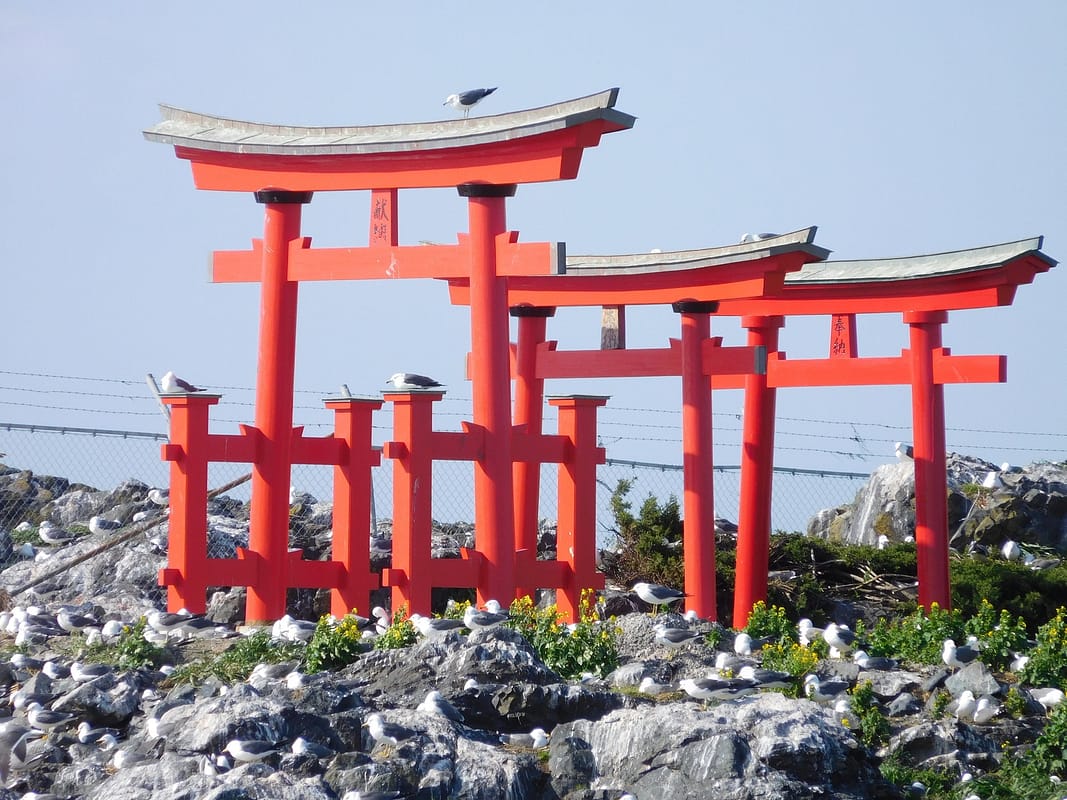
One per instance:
(382,262)
(882,371)
(647,362)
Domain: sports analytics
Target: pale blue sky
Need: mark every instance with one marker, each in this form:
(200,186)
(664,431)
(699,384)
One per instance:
(897,129)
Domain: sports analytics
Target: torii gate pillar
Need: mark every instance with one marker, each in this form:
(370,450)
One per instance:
(928,422)
(494,506)
(268,535)
(698,493)
(757,476)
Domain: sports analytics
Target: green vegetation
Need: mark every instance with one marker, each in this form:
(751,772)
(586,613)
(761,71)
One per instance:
(1001,636)
(796,659)
(237,662)
(129,651)
(401,633)
(872,728)
(650,542)
(764,622)
(1048,661)
(334,644)
(587,646)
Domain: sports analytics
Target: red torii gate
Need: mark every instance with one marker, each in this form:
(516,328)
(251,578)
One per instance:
(485,158)
(923,288)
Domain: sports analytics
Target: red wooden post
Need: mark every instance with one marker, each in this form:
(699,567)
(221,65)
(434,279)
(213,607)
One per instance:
(412,452)
(186,572)
(576,517)
(698,495)
(931,498)
(529,396)
(384,224)
(757,476)
(494,515)
(269,522)
(352,489)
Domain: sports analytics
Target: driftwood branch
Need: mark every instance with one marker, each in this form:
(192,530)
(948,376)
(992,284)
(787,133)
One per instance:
(125,536)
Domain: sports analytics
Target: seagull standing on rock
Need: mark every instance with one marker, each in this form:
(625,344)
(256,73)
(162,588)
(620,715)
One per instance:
(656,594)
(957,657)
(98,524)
(839,637)
(49,533)
(474,619)
(435,703)
(249,750)
(466,100)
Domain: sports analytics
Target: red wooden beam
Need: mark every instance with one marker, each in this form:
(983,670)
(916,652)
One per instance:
(384,262)
(646,362)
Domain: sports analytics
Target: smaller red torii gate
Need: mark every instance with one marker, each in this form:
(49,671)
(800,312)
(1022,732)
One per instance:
(921,288)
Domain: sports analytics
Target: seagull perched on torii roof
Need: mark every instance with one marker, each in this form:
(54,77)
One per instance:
(465,101)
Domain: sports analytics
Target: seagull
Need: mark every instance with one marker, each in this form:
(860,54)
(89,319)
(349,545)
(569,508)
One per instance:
(249,750)
(1011,550)
(756,237)
(409,380)
(50,534)
(985,710)
(766,678)
(382,731)
(839,637)
(717,688)
(159,497)
(675,637)
(958,657)
(992,481)
(656,594)
(166,623)
(172,384)
(964,705)
(75,623)
(435,703)
(13,736)
(303,747)
(535,739)
(883,541)
(87,734)
(873,662)
(649,685)
(465,101)
(474,619)
(432,627)
(1048,697)
(46,720)
(100,524)
(743,644)
(87,672)
(905,452)
(823,691)
(806,631)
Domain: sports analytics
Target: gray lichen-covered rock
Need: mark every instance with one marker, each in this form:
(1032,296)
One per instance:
(766,746)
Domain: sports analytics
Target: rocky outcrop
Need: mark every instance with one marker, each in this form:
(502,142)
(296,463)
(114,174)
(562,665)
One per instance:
(1029,505)
(765,747)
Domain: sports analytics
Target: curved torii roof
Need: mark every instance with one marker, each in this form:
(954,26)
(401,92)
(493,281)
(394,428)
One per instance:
(750,269)
(974,278)
(537,144)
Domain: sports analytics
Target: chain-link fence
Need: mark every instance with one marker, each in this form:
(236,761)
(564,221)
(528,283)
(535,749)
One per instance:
(103,459)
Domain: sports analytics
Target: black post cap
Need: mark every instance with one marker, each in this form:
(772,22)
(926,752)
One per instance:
(527,310)
(695,306)
(282,196)
(487,189)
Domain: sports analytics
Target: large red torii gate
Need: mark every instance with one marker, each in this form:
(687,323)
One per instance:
(485,158)
(922,288)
